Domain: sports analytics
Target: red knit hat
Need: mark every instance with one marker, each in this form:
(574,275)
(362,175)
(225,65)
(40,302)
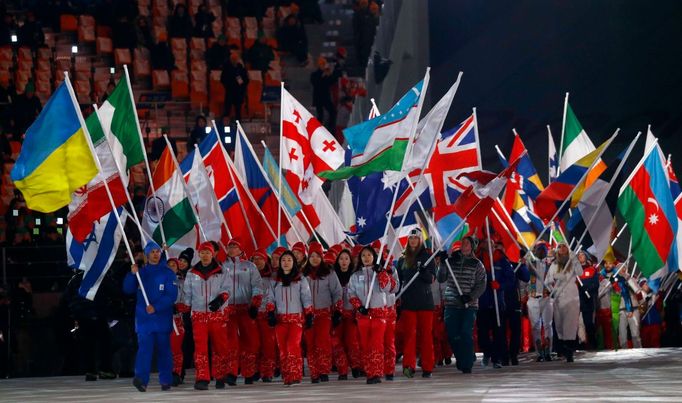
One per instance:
(376,245)
(336,248)
(457,246)
(330,257)
(207,246)
(235,241)
(279,250)
(173,260)
(299,246)
(356,250)
(315,247)
(260,253)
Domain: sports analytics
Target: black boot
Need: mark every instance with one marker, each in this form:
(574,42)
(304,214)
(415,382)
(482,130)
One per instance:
(355,372)
(176,380)
(231,380)
(137,382)
(201,385)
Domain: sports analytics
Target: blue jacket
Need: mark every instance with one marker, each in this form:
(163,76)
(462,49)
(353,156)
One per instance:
(511,293)
(160,283)
(504,274)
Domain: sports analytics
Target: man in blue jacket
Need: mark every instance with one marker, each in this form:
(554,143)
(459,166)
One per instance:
(153,322)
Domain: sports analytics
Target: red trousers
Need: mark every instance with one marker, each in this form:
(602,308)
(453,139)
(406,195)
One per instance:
(244,343)
(651,335)
(176,344)
(441,347)
(289,332)
(400,335)
(318,341)
(209,326)
(346,345)
(371,330)
(604,322)
(389,342)
(418,329)
(267,359)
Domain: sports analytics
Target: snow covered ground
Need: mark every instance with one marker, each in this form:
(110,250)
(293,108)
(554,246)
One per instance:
(626,376)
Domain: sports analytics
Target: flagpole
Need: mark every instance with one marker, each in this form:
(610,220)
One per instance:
(279,184)
(278,195)
(421,171)
(213,195)
(122,175)
(144,154)
(186,188)
(305,217)
(625,225)
(478,143)
(88,139)
(563,129)
(550,141)
(492,270)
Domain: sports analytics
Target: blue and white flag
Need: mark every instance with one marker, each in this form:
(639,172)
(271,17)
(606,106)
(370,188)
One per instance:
(96,253)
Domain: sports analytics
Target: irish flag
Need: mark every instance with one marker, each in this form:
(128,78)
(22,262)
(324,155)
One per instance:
(648,208)
(171,209)
(118,117)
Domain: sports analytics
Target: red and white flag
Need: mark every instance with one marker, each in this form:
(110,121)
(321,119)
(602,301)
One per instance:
(307,149)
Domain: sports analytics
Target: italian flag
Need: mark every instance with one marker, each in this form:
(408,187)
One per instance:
(648,208)
(171,206)
(119,121)
(91,202)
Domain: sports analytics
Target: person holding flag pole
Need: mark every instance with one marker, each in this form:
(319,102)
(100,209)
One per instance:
(153,323)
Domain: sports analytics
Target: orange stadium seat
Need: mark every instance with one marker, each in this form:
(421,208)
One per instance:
(122,56)
(160,79)
(68,22)
(104,45)
(180,84)
(254,90)
(86,28)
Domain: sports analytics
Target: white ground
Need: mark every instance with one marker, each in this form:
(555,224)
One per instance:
(629,375)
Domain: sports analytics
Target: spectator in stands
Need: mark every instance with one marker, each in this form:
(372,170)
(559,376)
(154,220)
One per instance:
(31,33)
(218,54)
(292,38)
(245,8)
(340,68)
(180,25)
(124,34)
(203,21)
(310,11)
(27,107)
(161,55)
(143,33)
(260,55)
(323,79)
(365,21)
(198,133)
(235,79)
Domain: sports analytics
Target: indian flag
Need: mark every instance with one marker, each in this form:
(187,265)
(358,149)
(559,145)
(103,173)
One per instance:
(118,117)
(171,210)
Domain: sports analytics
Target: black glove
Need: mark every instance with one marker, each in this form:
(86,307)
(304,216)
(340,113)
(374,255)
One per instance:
(363,311)
(272,319)
(216,303)
(336,318)
(175,309)
(308,320)
(398,310)
(442,255)
(465,299)
(613,279)
(253,312)
(378,268)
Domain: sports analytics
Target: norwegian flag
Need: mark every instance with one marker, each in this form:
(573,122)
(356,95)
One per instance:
(307,148)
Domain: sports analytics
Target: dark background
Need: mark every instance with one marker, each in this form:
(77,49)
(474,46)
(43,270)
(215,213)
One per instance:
(621,61)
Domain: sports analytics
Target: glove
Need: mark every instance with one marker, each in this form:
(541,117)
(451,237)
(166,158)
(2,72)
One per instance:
(398,310)
(363,311)
(495,285)
(253,312)
(175,309)
(216,303)
(442,255)
(613,279)
(378,268)
(272,319)
(336,318)
(465,298)
(308,320)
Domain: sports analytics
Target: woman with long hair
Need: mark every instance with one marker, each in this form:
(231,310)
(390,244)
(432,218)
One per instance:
(327,296)
(562,277)
(289,309)
(267,357)
(371,310)
(345,335)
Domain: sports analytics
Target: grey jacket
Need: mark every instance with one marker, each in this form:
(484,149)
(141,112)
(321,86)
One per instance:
(359,284)
(326,291)
(471,278)
(243,282)
(200,289)
(292,299)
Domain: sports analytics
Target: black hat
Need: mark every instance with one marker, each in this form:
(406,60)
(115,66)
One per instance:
(187,254)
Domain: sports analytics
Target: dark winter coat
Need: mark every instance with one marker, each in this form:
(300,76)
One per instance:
(418,296)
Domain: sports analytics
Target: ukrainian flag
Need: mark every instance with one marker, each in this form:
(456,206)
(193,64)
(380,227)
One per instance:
(55,158)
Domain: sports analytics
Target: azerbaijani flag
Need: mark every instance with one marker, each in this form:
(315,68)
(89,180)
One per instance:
(55,158)
(647,205)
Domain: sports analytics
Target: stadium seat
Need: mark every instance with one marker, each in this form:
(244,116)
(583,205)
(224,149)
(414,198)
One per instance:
(141,65)
(86,28)
(122,56)
(68,22)
(160,79)
(254,90)
(180,84)
(104,45)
